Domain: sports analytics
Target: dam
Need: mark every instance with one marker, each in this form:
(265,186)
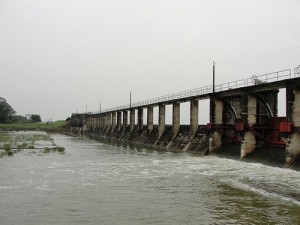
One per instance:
(242,113)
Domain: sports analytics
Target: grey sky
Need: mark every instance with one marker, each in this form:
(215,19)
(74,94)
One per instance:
(57,56)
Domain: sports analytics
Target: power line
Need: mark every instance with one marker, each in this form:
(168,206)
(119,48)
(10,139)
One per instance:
(258,56)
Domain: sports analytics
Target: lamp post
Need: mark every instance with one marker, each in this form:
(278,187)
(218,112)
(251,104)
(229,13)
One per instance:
(213,98)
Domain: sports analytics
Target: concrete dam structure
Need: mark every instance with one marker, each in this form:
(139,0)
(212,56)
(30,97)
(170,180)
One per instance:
(243,114)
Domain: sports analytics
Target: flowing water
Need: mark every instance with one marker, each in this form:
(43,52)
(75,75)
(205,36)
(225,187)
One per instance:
(95,183)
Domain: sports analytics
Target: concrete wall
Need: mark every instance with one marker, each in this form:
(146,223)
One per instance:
(250,112)
(293,114)
(216,119)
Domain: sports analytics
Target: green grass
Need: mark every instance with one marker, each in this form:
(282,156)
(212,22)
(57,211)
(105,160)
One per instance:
(7,147)
(22,146)
(13,142)
(54,126)
(4,138)
(61,150)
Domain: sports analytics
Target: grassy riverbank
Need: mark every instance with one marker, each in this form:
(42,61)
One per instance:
(52,126)
(33,142)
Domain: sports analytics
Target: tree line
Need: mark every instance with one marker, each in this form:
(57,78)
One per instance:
(8,115)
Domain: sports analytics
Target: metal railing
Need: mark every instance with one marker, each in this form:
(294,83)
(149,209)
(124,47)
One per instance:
(254,80)
(297,71)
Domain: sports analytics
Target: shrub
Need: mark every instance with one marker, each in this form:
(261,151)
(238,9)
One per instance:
(61,149)
(30,147)
(7,147)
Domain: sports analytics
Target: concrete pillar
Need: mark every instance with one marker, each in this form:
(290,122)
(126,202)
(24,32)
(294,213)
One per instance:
(150,118)
(176,118)
(140,118)
(215,141)
(109,120)
(249,143)
(98,121)
(114,120)
(104,121)
(88,122)
(94,124)
(161,119)
(119,120)
(101,121)
(84,121)
(293,115)
(125,118)
(132,119)
(194,117)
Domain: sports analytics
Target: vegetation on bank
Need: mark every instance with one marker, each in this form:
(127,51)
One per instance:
(49,126)
(34,142)
(32,136)
(8,115)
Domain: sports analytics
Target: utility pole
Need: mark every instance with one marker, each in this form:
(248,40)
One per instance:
(130,100)
(100,107)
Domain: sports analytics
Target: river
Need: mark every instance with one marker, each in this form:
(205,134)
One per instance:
(96,183)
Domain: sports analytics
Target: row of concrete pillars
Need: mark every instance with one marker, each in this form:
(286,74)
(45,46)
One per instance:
(115,120)
(246,110)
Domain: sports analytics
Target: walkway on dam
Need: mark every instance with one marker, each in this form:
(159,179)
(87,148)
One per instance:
(243,112)
(204,92)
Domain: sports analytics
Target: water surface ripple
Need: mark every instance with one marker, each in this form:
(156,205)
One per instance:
(95,183)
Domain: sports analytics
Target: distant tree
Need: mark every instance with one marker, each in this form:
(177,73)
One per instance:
(35,118)
(6,111)
(20,119)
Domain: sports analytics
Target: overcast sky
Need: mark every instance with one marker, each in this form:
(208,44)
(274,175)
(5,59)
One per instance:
(57,56)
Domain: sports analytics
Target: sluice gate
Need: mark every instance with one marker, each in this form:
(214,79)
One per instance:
(243,112)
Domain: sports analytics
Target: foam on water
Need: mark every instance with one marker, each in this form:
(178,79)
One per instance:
(93,182)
